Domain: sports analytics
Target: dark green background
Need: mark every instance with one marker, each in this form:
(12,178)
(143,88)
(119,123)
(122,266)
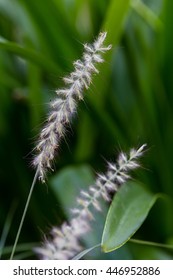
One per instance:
(130,103)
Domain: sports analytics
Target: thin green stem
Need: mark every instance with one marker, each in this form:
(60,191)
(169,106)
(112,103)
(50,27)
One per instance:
(24,214)
(83,253)
(149,243)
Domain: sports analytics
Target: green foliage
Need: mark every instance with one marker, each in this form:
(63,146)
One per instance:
(127,212)
(75,179)
(130,103)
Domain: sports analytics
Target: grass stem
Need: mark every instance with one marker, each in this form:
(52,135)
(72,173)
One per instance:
(24,214)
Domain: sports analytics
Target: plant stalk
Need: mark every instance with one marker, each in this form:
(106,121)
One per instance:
(24,214)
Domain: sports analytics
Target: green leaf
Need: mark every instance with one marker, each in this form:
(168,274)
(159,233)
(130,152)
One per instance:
(148,252)
(20,247)
(7,226)
(30,55)
(113,24)
(114,20)
(127,212)
(58,41)
(67,184)
(147,14)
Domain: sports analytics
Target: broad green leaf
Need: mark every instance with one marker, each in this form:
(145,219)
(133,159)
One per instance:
(127,212)
(67,185)
(68,182)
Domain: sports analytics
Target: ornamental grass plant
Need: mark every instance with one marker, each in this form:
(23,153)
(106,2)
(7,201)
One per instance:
(128,103)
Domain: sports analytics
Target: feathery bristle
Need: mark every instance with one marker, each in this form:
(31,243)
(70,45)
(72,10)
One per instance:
(65,105)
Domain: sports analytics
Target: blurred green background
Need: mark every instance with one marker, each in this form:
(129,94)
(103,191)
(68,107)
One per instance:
(130,103)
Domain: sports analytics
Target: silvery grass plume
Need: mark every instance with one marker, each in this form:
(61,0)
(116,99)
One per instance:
(62,109)
(65,104)
(65,241)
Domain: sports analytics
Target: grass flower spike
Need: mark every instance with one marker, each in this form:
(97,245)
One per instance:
(65,240)
(65,104)
(62,110)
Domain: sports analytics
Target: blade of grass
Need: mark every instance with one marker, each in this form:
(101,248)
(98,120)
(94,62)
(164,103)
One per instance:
(24,214)
(35,96)
(29,54)
(20,248)
(113,23)
(6,227)
(147,14)
(59,41)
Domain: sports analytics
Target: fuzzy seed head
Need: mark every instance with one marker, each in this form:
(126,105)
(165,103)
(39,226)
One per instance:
(65,241)
(64,106)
